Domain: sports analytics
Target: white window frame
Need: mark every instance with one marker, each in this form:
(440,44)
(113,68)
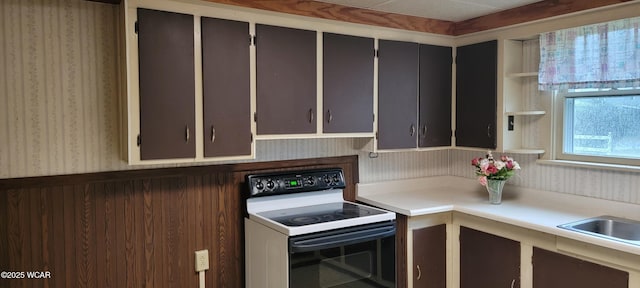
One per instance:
(558,142)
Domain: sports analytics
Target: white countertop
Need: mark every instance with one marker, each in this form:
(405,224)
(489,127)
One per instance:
(528,208)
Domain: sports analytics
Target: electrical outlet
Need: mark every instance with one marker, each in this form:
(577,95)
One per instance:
(202,260)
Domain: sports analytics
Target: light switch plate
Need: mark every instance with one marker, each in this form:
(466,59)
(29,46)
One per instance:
(510,123)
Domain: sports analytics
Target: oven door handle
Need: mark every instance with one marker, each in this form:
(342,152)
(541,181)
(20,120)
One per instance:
(339,239)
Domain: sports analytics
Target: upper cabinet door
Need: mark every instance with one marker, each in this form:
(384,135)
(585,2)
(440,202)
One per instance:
(286,80)
(347,83)
(397,94)
(476,95)
(435,96)
(167,85)
(226,87)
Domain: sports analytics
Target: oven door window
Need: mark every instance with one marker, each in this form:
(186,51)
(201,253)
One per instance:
(348,258)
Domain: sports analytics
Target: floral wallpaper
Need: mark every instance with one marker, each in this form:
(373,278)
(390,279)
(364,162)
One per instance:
(58,87)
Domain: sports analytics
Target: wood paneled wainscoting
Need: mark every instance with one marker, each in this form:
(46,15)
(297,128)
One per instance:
(136,228)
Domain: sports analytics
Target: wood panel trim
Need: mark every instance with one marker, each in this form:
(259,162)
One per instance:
(347,14)
(518,15)
(4,241)
(528,13)
(523,14)
(46,181)
(117,2)
(135,228)
(402,229)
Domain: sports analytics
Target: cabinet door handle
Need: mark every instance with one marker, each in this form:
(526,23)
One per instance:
(413,130)
(489,130)
(420,273)
(213,134)
(424,131)
(513,283)
(310,115)
(329,116)
(187,134)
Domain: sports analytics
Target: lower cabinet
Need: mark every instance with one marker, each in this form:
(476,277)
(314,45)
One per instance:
(430,257)
(554,270)
(487,260)
(482,257)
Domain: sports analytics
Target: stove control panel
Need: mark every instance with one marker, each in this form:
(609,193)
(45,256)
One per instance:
(294,182)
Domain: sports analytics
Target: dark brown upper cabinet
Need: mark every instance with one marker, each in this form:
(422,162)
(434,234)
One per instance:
(430,257)
(398,66)
(476,95)
(414,95)
(286,80)
(226,87)
(487,260)
(553,270)
(435,96)
(167,85)
(347,84)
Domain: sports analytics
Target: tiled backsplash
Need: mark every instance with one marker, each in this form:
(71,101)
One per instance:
(60,115)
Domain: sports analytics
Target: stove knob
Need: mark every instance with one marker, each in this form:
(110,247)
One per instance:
(326,179)
(336,179)
(259,185)
(310,181)
(270,184)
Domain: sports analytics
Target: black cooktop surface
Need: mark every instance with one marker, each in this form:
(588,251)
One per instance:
(320,213)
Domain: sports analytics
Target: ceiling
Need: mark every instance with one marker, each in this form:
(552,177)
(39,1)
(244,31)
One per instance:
(448,10)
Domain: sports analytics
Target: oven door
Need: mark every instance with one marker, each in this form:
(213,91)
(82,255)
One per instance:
(361,256)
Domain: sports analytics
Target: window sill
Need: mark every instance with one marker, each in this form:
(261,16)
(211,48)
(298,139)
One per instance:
(591,165)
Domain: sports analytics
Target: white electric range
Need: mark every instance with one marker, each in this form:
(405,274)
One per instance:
(300,232)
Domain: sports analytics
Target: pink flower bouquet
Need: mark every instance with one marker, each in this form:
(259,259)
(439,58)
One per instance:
(491,169)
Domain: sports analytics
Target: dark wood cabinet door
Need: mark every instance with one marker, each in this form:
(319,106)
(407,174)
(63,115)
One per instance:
(476,95)
(347,83)
(397,94)
(286,80)
(487,260)
(435,96)
(553,270)
(430,257)
(167,85)
(226,87)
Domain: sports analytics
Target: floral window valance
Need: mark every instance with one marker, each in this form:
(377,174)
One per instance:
(605,55)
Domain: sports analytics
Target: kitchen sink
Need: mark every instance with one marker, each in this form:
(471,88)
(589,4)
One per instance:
(610,227)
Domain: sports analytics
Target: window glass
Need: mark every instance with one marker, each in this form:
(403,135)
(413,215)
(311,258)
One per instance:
(602,126)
